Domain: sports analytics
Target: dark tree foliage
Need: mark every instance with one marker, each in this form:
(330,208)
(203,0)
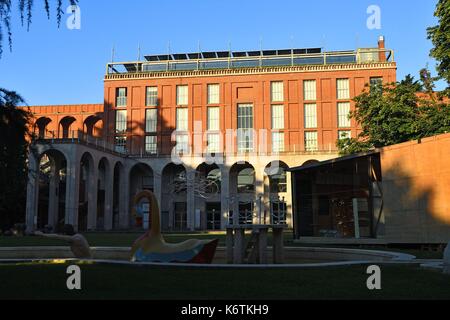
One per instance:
(395,113)
(25,8)
(440,37)
(14,135)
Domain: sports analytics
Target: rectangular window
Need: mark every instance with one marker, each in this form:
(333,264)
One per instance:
(151,145)
(376,83)
(343,89)
(182,119)
(213,143)
(213,119)
(152,97)
(213,94)
(151,120)
(310,115)
(121,97)
(245,128)
(121,121)
(182,144)
(182,95)
(310,90)
(311,142)
(343,115)
(278,117)
(120,144)
(277,91)
(277,142)
(344,134)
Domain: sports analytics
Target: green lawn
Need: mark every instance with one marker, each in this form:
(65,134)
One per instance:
(127,239)
(130,282)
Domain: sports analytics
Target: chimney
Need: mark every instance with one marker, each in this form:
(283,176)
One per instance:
(381,49)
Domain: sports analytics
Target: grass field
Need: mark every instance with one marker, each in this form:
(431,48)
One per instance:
(127,239)
(130,282)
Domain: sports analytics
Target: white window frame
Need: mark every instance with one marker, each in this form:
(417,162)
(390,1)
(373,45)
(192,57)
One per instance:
(213,123)
(151,96)
(343,111)
(213,93)
(121,99)
(245,136)
(310,115)
(182,124)
(310,90)
(182,144)
(151,120)
(344,134)
(278,142)
(311,141)
(182,95)
(278,117)
(343,89)
(213,141)
(277,91)
(121,122)
(151,145)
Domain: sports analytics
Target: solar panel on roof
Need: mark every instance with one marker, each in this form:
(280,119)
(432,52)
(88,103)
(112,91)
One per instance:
(165,57)
(239,54)
(223,54)
(254,53)
(269,52)
(284,52)
(180,56)
(209,55)
(195,55)
(151,58)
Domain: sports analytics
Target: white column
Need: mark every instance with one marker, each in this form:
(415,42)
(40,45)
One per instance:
(190,201)
(53,195)
(109,197)
(288,199)
(225,196)
(32,193)
(157,187)
(92,198)
(124,200)
(72,193)
(259,194)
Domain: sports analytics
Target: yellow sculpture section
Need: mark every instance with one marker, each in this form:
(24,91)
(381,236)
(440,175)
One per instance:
(152,247)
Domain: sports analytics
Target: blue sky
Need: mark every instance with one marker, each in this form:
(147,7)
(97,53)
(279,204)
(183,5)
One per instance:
(61,66)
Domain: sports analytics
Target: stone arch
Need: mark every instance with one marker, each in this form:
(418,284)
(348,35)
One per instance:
(40,127)
(242,192)
(52,168)
(276,178)
(141,178)
(93,126)
(208,200)
(65,125)
(86,201)
(174,209)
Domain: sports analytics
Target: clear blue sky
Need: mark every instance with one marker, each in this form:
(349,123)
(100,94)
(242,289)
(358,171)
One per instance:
(61,66)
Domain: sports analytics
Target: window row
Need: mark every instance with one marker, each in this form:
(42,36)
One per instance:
(213,92)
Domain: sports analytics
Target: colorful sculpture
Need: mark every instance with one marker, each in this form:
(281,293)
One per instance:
(151,247)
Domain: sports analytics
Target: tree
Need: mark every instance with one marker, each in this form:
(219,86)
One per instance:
(440,37)
(14,130)
(395,113)
(25,8)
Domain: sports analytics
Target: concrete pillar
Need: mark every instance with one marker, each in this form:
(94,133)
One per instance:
(225,196)
(259,194)
(32,193)
(157,187)
(124,200)
(92,190)
(53,195)
(288,199)
(109,198)
(190,200)
(72,192)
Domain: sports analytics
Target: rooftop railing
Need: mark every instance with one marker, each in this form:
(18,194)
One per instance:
(233,62)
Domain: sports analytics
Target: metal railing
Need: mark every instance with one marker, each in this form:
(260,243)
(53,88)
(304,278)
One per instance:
(359,56)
